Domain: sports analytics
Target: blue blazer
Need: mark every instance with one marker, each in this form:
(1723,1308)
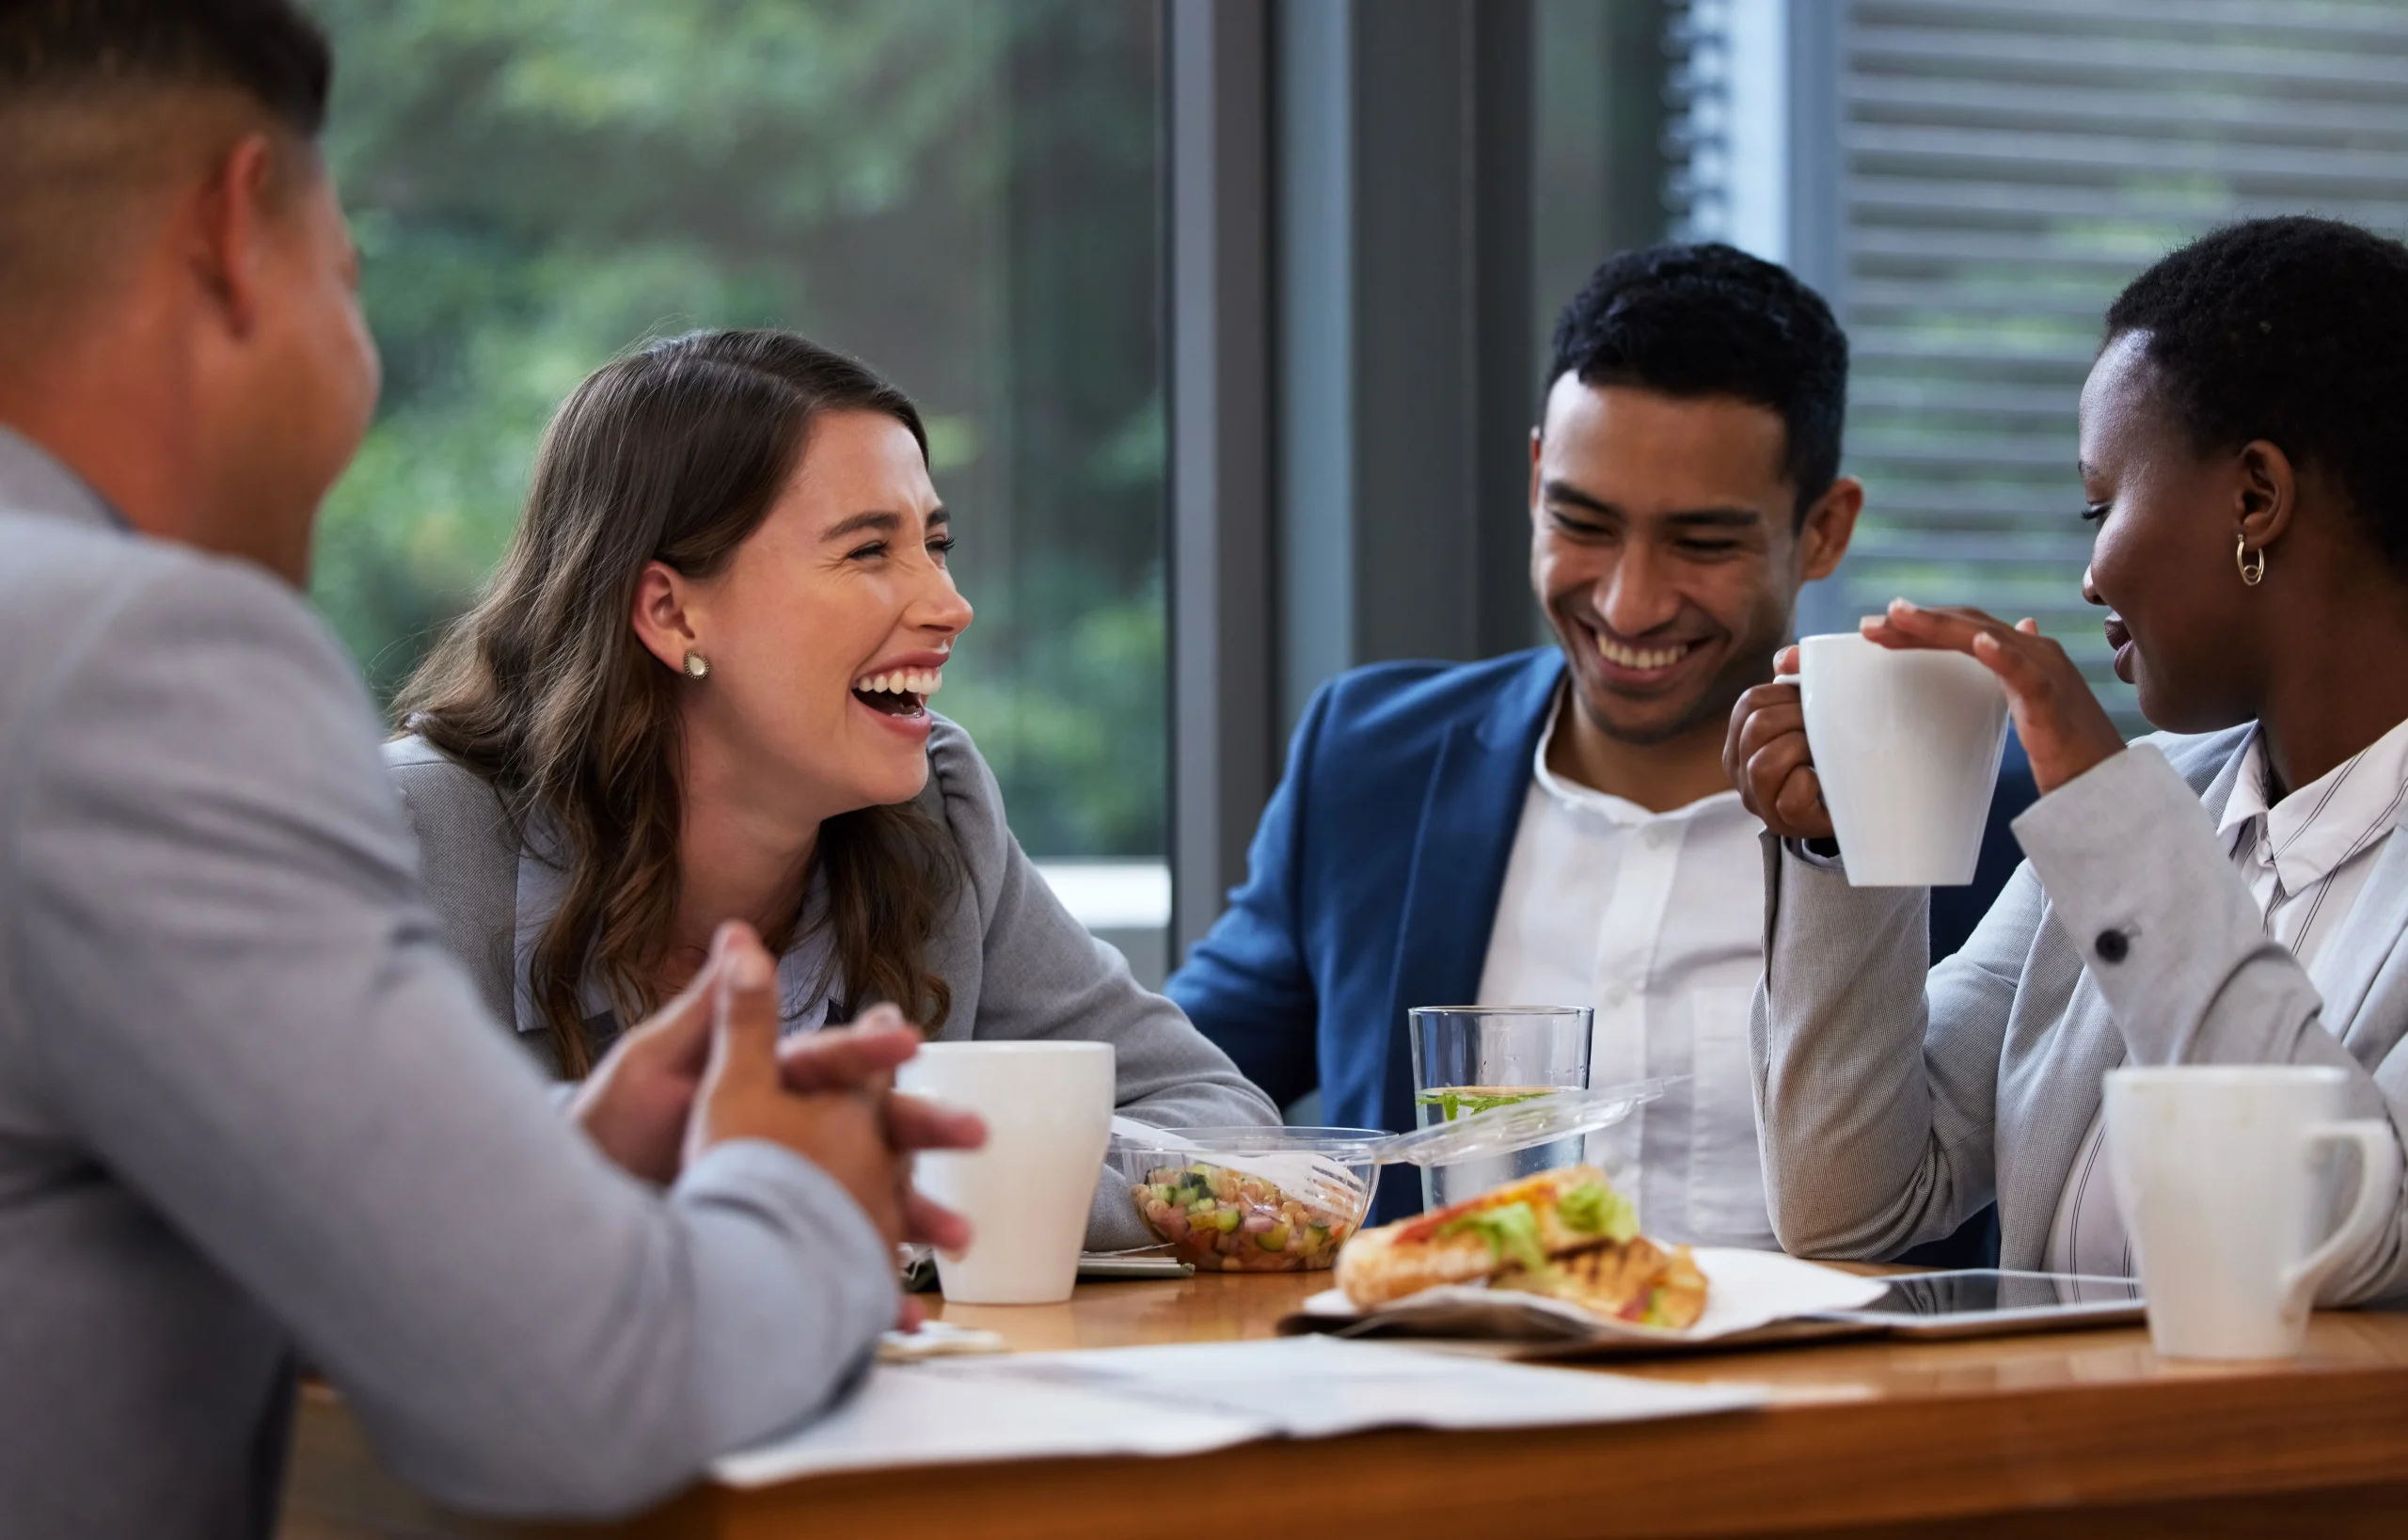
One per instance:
(1372,883)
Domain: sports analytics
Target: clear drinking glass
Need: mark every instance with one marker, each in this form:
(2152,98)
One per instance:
(1468,1058)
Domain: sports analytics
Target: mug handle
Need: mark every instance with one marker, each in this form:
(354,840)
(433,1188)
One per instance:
(2378,1185)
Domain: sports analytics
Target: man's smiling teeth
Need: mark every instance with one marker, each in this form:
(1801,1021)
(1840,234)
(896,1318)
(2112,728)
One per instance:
(902,682)
(1637,657)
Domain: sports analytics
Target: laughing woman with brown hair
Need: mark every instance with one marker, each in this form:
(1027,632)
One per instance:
(698,690)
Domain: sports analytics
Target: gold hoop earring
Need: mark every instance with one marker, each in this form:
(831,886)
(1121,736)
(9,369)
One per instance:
(2252,574)
(698,667)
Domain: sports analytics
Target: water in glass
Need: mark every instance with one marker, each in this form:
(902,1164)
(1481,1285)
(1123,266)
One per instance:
(1470,1059)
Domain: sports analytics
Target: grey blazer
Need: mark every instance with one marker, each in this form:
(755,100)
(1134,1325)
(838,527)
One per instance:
(1893,1104)
(251,1107)
(1019,965)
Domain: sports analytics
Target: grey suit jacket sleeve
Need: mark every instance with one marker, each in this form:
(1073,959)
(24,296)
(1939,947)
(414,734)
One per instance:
(235,999)
(1877,1080)
(2199,980)
(1040,975)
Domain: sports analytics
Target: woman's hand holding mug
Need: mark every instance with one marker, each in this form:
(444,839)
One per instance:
(2065,730)
(1768,760)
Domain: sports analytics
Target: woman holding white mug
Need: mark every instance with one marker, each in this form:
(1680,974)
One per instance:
(2243,465)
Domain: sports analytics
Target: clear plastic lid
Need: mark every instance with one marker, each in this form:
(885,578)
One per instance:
(1131,1137)
(1318,1152)
(1519,1125)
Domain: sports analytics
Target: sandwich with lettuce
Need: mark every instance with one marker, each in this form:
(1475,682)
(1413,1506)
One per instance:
(1565,1235)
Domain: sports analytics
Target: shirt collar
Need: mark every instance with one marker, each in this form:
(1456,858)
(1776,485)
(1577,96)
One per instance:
(2313,831)
(807,977)
(35,480)
(1621,810)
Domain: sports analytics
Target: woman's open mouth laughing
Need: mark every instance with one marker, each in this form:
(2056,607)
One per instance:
(899,696)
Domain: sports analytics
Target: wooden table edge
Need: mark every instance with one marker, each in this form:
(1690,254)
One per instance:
(1794,1466)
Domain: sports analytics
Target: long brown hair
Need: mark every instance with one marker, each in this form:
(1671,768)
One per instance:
(673,453)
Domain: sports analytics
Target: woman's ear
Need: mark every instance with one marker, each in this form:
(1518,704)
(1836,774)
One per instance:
(2267,492)
(660,617)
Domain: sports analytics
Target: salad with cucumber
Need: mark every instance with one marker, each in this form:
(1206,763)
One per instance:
(1227,1221)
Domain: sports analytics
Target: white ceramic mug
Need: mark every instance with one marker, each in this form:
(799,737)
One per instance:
(1907,746)
(1048,1108)
(2223,1176)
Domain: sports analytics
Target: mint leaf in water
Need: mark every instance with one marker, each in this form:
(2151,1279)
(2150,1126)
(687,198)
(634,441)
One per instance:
(1452,1101)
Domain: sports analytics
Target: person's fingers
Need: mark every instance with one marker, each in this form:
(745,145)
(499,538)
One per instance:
(1770,724)
(1931,613)
(910,1315)
(2017,653)
(912,1123)
(1905,625)
(1758,697)
(744,1039)
(1770,767)
(634,1102)
(2024,670)
(930,1223)
(1746,736)
(1784,792)
(679,1034)
(1799,803)
(1787,661)
(863,1055)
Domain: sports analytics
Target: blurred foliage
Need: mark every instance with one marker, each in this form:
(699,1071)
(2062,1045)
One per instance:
(963,193)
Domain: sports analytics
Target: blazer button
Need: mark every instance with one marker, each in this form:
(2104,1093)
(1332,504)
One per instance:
(2113,947)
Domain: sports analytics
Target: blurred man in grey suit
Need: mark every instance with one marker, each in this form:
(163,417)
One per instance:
(248,1107)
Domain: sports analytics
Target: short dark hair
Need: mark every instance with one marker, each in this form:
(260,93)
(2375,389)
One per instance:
(2293,330)
(1709,319)
(266,48)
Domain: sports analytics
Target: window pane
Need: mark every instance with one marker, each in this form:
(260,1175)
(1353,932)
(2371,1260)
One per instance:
(963,194)
(1598,147)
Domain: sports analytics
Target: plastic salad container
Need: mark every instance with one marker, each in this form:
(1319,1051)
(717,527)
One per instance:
(1250,1199)
(1284,1199)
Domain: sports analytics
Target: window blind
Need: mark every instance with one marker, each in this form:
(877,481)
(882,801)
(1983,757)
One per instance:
(2000,171)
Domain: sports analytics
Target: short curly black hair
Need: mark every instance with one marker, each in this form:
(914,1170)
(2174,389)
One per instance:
(2293,330)
(1709,319)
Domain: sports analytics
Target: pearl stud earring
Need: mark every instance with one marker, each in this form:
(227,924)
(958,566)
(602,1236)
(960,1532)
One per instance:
(697,666)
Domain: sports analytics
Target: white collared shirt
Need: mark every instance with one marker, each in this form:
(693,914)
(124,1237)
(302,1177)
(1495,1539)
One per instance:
(1654,920)
(807,975)
(2305,860)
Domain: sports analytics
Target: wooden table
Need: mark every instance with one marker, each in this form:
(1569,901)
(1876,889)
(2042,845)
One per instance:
(2067,1434)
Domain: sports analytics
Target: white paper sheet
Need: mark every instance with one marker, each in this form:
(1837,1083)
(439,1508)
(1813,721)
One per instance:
(1744,1290)
(1315,1386)
(1193,1397)
(920,1414)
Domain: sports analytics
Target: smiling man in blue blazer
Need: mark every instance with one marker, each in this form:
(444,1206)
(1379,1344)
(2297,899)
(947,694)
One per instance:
(1555,827)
